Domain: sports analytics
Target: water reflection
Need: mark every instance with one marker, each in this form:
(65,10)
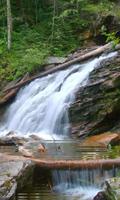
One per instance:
(71,149)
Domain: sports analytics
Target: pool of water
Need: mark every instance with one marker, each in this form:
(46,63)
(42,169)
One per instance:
(69,184)
(64,150)
(65,184)
(70,149)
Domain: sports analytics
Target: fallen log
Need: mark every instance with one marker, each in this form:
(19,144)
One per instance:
(67,164)
(77,164)
(96,52)
(11,93)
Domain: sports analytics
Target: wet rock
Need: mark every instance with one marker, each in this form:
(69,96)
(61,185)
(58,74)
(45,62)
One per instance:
(55,60)
(12,140)
(11,133)
(113,186)
(104,139)
(97,105)
(14,170)
(111,190)
(19,140)
(100,196)
(35,137)
(25,152)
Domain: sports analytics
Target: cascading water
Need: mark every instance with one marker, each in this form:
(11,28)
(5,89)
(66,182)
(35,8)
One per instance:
(83,183)
(41,109)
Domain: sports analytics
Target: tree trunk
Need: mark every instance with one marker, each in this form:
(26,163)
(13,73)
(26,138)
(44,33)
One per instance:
(9,25)
(77,164)
(94,53)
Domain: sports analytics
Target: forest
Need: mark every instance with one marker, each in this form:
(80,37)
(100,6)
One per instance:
(32,30)
(60,99)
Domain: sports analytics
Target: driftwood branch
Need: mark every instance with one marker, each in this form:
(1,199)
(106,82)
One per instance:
(100,50)
(77,164)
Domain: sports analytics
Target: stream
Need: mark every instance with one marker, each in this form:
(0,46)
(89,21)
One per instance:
(65,184)
(41,109)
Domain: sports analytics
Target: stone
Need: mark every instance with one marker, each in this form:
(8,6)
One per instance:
(113,185)
(25,152)
(100,196)
(55,60)
(12,140)
(111,190)
(11,133)
(20,140)
(35,137)
(104,139)
(14,170)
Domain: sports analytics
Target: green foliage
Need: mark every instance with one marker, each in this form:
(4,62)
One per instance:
(27,55)
(42,28)
(110,37)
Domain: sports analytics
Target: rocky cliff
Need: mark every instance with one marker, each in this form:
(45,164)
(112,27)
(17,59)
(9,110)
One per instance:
(97,105)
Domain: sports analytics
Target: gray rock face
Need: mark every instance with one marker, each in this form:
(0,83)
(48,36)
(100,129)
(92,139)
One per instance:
(97,105)
(111,190)
(13,172)
(55,60)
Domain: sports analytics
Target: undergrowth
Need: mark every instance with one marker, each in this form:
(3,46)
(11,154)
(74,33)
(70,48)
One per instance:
(40,33)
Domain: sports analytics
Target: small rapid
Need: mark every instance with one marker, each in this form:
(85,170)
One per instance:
(65,184)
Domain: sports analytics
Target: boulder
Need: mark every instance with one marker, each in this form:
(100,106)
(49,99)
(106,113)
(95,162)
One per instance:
(55,60)
(104,139)
(100,196)
(111,190)
(25,152)
(12,141)
(113,185)
(14,171)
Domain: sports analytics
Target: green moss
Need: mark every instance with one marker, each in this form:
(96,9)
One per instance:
(7,184)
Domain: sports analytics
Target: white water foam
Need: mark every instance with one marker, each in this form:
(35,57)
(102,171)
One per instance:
(41,107)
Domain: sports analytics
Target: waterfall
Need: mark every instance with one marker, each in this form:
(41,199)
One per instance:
(83,183)
(41,107)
